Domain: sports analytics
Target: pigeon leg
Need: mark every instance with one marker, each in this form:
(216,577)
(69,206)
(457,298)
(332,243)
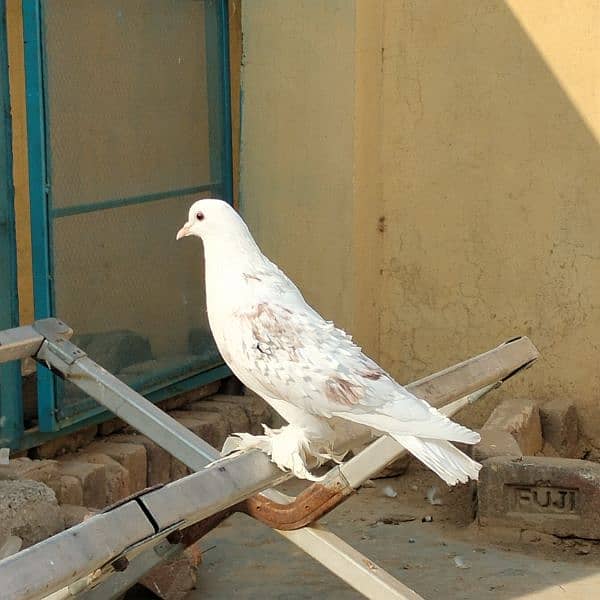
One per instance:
(288,447)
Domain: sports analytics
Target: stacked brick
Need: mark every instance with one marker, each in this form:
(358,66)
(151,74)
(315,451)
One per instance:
(532,479)
(76,475)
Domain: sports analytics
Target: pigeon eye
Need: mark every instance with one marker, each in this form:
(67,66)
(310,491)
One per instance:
(200,216)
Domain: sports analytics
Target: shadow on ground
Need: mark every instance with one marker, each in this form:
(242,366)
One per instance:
(445,558)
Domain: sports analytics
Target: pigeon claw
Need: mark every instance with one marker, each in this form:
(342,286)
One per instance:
(288,448)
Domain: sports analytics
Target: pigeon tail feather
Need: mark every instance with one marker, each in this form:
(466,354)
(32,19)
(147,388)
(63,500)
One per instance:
(437,427)
(442,457)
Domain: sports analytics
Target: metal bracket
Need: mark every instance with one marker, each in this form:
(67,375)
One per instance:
(57,352)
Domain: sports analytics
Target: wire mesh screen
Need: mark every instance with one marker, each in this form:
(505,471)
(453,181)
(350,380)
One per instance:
(134,105)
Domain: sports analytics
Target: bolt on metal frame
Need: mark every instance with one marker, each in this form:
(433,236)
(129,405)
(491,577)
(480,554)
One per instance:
(103,556)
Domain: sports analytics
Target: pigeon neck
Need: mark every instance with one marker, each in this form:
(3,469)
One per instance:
(229,259)
(233,252)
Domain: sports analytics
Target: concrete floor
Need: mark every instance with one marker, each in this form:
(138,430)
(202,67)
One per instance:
(246,560)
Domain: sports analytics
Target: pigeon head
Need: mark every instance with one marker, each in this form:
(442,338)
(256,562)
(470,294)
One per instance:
(211,217)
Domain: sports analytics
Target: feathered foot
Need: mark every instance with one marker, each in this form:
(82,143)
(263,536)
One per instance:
(288,447)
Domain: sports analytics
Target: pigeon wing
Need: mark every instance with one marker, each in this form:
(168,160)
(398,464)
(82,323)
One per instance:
(287,353)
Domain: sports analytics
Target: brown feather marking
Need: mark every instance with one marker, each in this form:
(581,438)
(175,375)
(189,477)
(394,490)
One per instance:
(267,326)
(342,391)
(372,375)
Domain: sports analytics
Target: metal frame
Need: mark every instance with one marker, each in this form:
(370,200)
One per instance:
(11,404)
(219,93)
(39,193)
(42,213)
(95,556)
(69,211)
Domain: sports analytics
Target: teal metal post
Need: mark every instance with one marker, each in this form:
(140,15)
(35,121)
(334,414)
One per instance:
(219,96)
(39,192)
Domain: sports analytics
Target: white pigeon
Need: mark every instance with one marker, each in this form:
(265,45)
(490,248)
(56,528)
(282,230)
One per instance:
(309,371)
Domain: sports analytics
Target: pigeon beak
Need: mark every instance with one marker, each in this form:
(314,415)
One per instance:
(185,230)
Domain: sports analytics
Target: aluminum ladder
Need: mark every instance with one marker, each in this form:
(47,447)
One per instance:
(102,557)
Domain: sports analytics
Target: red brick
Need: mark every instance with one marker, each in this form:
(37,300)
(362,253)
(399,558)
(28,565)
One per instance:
(73,515)
(111,426)
(560,426)
(520,418)
(495,442)
(68,490)
(208,425)
(173,580)
(92,478)
(191,396)
(34,470)
(549,450)
(177,470)
(559,496)
(130,456)
(68,443)
(158,461)
(230,412)
(118,484)
(256,408)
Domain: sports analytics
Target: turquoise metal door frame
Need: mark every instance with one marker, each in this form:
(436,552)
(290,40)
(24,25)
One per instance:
(40,188)
(11,406)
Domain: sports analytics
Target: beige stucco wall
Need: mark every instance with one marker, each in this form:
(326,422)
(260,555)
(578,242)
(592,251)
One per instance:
(473,128)
(304,163)
(491,116)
